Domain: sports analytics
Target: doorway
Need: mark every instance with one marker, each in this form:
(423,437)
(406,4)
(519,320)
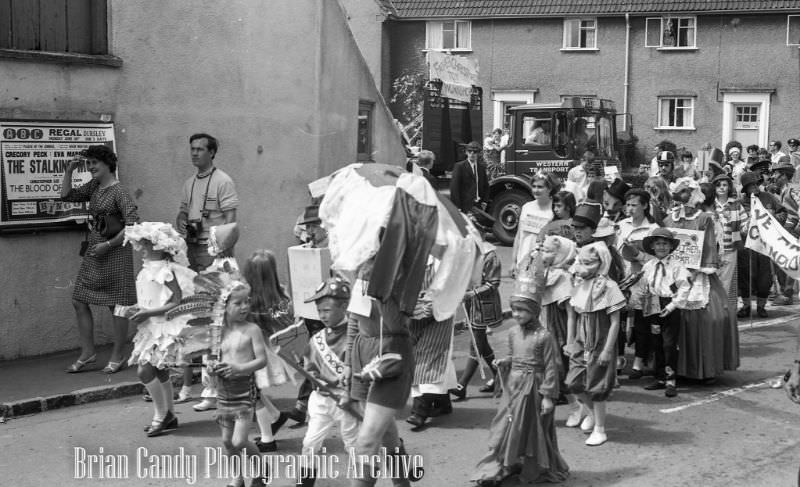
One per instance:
(745,118)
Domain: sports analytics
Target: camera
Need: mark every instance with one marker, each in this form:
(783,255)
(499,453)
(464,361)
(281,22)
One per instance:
(193,230)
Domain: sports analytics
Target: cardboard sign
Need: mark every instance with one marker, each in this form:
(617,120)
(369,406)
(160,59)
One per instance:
(767,236)
(308,268)
(33,159)
(690,250)
(457,74)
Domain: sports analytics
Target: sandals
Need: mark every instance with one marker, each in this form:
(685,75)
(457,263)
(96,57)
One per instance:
(114,367)
(79,364)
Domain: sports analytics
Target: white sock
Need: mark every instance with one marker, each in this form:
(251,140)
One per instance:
(156,391)
(169,394)
(265,420)
(186,390)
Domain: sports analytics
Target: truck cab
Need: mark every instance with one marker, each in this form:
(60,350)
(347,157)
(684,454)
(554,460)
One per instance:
(551,138)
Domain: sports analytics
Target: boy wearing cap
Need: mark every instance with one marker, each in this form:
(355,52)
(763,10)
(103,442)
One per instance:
(470,184)
(324,359)
(755,270)
(666,166)
(660,293)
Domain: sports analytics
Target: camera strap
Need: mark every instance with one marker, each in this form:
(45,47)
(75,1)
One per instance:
(205,197)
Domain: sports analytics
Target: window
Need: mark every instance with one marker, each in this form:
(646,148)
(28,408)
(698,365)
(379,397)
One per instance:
(364,143)
(536,130)
(61,26)
(746,117)
(580,34)
(671,32)
(793,30)
(449,35)
(675,113)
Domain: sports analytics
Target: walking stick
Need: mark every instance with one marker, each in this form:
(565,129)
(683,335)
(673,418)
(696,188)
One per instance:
(474,341)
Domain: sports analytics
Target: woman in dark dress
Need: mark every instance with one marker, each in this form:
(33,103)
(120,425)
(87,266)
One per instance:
(106,274)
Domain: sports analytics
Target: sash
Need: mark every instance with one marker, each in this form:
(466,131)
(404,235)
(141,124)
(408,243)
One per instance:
(329,358)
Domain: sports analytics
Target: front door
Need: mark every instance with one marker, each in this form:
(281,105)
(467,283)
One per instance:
(746,123)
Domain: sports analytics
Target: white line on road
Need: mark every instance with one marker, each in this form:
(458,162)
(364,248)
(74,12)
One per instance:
(720,395)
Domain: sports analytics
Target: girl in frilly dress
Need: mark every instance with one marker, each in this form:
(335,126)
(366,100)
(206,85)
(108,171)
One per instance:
(160,285)
(522,436)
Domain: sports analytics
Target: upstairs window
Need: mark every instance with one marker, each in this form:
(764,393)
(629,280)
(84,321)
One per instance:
(65,26)
(675,113)
(449,35)
(793,30)
(671,32)
(580,34)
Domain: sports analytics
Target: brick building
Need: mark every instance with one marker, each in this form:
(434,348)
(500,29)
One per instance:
(689,71)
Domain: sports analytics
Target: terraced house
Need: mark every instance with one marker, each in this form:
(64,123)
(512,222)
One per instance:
(694,72)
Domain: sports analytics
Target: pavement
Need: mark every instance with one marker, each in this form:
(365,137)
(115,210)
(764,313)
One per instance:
(34,385)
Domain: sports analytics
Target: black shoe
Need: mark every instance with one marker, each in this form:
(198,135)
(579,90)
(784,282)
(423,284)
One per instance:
(416,420)
(169,423)
(489,387)
(744,312)
(656,385)
(266,447)
(460,392)
(296,415)
(671,391)
(278,423)
(635,374)
(761,312)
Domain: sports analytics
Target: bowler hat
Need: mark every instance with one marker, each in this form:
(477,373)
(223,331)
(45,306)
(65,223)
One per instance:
(587,214)
(311,215)
(473,146)
(660,232)
(749,178)
(334,287)
(618,189)
(721,177)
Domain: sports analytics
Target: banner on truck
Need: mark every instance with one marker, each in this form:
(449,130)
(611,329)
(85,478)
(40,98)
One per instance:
(457,74)
(33,159)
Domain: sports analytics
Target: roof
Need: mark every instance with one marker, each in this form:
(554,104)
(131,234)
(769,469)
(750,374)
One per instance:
(426,9)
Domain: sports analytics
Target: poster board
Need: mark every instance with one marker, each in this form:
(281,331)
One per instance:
(690,250)
(33,159)
(307,269)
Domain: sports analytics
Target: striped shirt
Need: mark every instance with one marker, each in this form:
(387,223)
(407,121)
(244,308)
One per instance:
(732,216)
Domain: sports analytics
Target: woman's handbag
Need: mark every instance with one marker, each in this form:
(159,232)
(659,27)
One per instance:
(108,226)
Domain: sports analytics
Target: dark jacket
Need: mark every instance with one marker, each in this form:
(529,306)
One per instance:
(488,306)
(462,185)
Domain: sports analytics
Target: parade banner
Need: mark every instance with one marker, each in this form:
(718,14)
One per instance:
(690,250)
(767,236)
(457,74)
(33,159)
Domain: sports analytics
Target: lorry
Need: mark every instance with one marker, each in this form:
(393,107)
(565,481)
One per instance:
(546,137)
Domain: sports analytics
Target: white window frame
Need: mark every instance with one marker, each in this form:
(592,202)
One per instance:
(788,24)
(579,20)
(660,123)
(661,20)
(434,40)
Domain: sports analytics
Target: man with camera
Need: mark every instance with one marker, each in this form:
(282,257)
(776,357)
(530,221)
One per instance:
(208,199)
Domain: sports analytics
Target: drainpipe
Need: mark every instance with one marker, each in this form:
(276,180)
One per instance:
(627,69)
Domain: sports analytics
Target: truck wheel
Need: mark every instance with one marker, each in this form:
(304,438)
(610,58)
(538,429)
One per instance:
(506,209)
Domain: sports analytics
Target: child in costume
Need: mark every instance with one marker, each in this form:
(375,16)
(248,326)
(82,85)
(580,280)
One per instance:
(271,310)
(324,359)
(522,437)
(555,282)
(242,352)
(592,328)
(661,292)
(164,279)
(484,308)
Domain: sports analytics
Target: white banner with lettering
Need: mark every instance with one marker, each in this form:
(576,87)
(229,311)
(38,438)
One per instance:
(767,236)
(457,74)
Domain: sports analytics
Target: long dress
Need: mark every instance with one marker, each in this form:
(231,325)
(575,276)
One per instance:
(106,280)
(521,439)
(706,331)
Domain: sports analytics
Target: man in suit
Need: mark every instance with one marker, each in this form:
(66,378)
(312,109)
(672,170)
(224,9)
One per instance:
(469,184)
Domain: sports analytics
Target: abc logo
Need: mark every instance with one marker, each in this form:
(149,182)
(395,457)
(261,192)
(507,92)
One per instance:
(22,134)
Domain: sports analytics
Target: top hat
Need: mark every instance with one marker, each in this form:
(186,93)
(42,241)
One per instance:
(749,178)
(717,155)
(587,214)
(660,232)
(618,189)
(311,215)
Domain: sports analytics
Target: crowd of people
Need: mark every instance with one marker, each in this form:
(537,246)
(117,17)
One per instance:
(595,267)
